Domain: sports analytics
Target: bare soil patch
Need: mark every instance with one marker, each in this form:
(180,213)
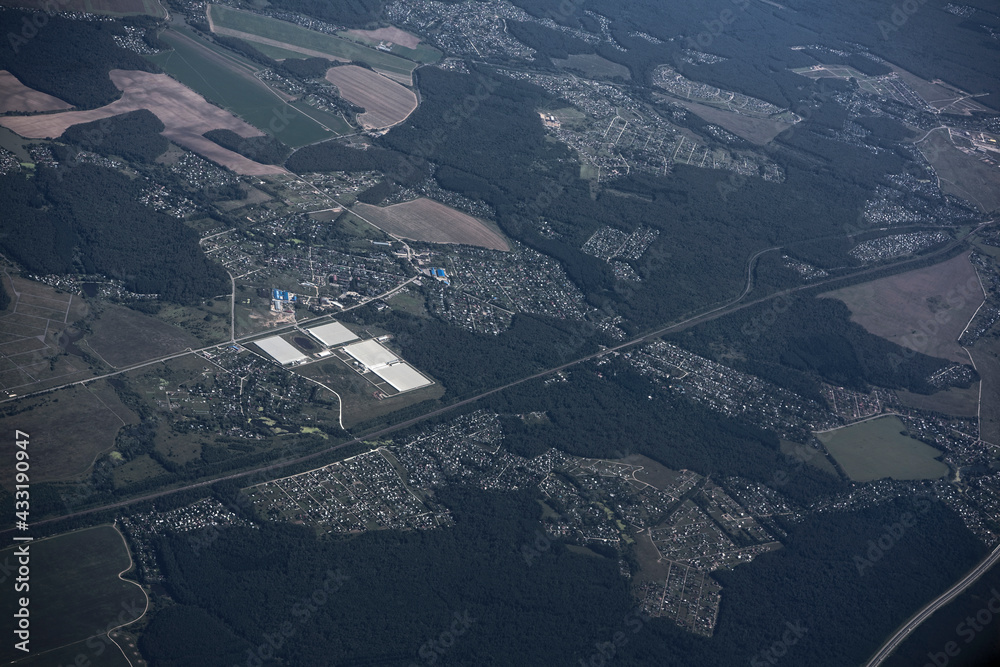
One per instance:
(15,96)
(924,310)
(186,115)
(426,220)
(390,34)
(386,102)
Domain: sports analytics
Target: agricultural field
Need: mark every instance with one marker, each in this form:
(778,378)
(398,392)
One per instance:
(185,114)
(399,41)
(122,337)
(426,220)
(68,430)
(954,401)
(15,96)
(386,102)
(36,337)
(960,173)
(77,595)
(876,448)
(290,37)
(924,310)
(229,82)
(108,7)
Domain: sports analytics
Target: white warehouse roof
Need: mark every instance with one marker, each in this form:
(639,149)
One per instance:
(402,376)
(281,350)
(371,354)
(332,334)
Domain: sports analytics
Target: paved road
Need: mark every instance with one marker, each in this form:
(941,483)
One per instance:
(907,628)
(729,307)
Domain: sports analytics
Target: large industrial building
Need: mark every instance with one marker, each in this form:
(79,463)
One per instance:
(383,363)
(332,334)
(281,350)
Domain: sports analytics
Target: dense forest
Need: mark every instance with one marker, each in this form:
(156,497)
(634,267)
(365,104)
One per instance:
(88,219)
(265,149)
(65,58)
(796,341)
(334,156)
(134,136)
(351,13)
(351,601)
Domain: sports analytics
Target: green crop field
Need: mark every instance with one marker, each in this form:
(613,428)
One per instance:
(291,36)
(76,595)
(423,53)
(223,81)
(876,448)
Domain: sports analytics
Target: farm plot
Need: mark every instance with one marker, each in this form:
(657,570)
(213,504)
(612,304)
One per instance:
(185,114)
(15,96)
(386,102)
(877,448)
(426,220)
(924,310)
(69,429)
(398,41)
(33,336)
(76,594)
(122,337)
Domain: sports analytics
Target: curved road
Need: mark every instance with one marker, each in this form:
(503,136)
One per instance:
(907,628)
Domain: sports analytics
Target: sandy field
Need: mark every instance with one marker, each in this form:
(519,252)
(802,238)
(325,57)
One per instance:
(386,102)
(185,114)
(15,96)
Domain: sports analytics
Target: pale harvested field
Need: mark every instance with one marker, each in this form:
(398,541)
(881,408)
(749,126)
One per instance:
(390,34)
(386,102)
(924,310)
(185,114)
(15,96)
(427,220)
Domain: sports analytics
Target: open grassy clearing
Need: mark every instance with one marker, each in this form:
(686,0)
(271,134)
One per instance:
(296,38)
(400,42)
(593,65)
(107,7)
(386,103)
(952,401)
(358,394)
(15,96)
(123,337)
(76,593)
(817,460)
(876,448)
(426,220)
(986,354)
(36,336)
(961,174)
(68,429)
(756,130)
(924,310)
